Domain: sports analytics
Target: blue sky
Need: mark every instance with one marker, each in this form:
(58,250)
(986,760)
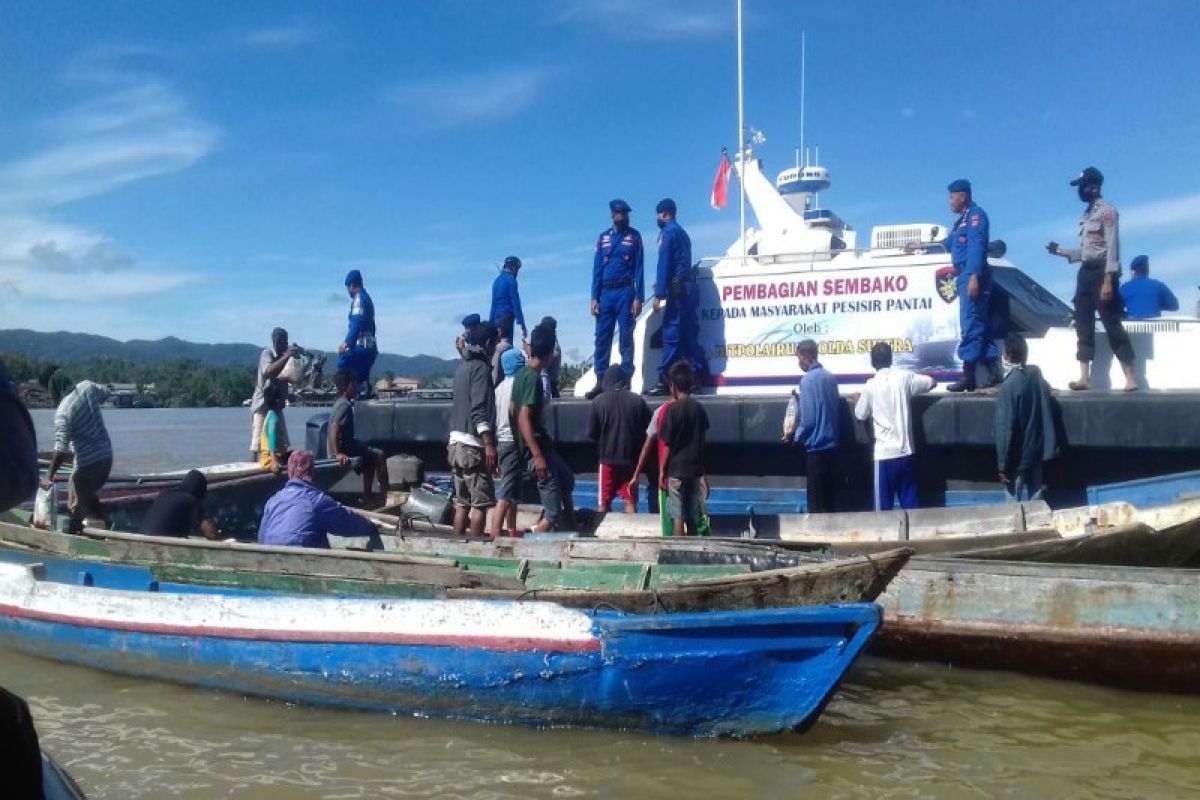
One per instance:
(210,170)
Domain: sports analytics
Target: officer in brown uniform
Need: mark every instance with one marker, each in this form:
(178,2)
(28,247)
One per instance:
(1096,285)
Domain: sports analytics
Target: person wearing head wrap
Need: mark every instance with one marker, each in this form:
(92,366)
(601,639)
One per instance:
(18,446)
(358,351)
(79,428)
(1097,283)
(471,450)
(506,301)
(1143,296)
(180,511)
(968,245)
(618,290)
(508,455)
(617,424)
(301,515)
(675,286)
(271,363)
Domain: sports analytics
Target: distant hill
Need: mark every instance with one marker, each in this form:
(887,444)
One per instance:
(65,347)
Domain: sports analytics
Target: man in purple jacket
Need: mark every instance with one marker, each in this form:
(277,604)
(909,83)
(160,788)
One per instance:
(301,515)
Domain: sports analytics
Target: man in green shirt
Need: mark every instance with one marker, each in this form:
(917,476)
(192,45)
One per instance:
(555,481)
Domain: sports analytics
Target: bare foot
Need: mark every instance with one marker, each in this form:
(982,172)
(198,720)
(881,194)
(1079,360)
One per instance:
(1079,386)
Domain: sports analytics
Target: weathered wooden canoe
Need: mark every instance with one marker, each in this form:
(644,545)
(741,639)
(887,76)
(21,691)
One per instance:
(1135,627)
(723,673)
(636,587)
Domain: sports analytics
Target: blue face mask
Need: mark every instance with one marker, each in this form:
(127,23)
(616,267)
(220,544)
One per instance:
(661,222)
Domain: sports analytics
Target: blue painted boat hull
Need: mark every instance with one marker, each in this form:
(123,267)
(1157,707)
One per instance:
(714,674)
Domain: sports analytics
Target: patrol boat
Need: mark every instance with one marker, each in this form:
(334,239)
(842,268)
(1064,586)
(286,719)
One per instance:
(803,274)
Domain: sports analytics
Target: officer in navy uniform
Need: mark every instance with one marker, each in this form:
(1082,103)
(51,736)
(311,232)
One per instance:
(618,290)
(676,286)
(358,350)
(968,246)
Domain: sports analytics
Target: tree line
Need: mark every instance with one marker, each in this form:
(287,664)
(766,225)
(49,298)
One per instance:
(178,383)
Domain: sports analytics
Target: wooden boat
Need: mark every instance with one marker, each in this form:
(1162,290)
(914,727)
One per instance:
(713,674)
(237,494)
(634,586)
(1135,627)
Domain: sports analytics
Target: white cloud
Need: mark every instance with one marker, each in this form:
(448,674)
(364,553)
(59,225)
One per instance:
(279,38)
(679,20)
(1173,212)
(452,102)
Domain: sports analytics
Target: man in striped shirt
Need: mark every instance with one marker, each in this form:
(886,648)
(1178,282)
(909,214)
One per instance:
(79,427)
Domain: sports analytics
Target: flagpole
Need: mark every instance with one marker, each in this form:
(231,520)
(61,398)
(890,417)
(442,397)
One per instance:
(741,138)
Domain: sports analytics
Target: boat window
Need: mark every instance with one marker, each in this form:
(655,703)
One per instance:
(1031,307)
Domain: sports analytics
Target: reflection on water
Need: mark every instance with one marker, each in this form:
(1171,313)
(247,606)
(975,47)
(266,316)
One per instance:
(893,731)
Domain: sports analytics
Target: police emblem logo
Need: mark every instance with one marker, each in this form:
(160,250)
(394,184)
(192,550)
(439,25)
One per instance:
(975,221)
(947,286)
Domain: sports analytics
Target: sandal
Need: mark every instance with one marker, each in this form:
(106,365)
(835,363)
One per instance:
(1079,386)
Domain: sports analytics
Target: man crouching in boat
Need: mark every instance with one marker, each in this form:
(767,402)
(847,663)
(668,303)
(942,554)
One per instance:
(301,515)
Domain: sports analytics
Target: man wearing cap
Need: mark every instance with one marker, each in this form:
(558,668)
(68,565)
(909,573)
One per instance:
(1144,297)
(618,290)
(968,244)
(358,351)
(675,285)
(271,362)
(1097,285)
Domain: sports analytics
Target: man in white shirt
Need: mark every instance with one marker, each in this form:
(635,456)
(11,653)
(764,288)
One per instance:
(887,400)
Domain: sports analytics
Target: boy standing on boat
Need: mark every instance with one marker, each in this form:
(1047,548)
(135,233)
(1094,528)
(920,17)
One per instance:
(472,448)
(682,438)
(817,427)
(1025,431)
(887,400)
(527,410)
(617,424)
(345,447)
(273,441)
(508,454)
(618,290)
(79,427)
(271,362)
(968,245)
(1097,284)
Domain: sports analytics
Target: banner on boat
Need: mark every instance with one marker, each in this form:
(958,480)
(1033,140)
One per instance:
(750,325)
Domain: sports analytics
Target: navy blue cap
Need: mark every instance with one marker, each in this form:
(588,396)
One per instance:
(619,205)
(512,262)
(1140,264)
(1089,177)
(354,276)
(471,320)
(665,206)
(960,185)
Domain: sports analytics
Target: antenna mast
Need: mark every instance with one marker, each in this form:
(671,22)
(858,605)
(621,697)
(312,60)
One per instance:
(741,136)
(802,83)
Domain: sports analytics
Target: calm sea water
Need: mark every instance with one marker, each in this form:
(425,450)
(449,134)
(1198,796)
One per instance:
(893,730)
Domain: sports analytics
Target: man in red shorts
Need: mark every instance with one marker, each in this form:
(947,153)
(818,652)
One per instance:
(618,427)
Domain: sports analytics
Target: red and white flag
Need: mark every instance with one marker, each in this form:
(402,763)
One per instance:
(720,190)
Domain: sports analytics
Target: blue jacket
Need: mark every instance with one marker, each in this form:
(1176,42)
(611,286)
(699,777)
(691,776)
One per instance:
(820,405)
(361,318)
(1146,298)
(619,259)
(301,515)
(506,299)
(674,258)
(968,242)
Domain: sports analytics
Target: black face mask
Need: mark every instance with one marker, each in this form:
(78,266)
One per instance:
(1088,193)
